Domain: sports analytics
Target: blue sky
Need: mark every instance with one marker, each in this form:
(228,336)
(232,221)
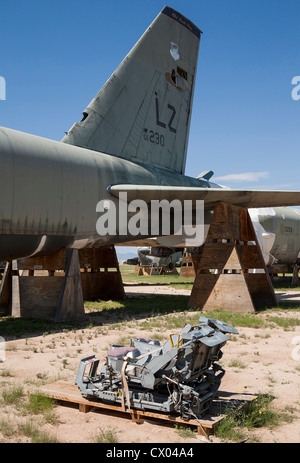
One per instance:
(56,55)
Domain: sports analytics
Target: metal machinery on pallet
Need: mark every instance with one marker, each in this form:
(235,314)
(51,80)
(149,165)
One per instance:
(181,376)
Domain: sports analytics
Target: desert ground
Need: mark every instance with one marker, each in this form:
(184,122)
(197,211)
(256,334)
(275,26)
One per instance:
(263,360)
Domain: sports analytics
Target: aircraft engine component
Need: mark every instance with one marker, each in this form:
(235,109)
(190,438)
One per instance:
(278,232)
(181,376)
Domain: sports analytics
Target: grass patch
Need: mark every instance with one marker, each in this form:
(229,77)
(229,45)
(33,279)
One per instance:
(156,310)
(7,428)
(36,436)
(147,306)
(285,322)
(106,436)
(237,364)
(185,432)
(283,283)
(39,404)
(129,276)
(12,395)
(131,308)
(11,328)
(257,414)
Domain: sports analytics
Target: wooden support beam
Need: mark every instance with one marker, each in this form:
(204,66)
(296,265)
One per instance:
(295,277)
(54,287)
(39,292)
(187,269)
(100,274)
(190,261)
(70,304)
(231,272)
(5,290)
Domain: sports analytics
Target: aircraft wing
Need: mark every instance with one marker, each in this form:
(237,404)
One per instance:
(211,196)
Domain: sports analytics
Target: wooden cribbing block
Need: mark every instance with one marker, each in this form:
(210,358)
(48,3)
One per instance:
(100,274)
(37,292)
(231,272)
(54,287)
(187,269)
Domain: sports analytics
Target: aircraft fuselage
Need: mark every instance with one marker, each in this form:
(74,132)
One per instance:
(285,224)
(50,191)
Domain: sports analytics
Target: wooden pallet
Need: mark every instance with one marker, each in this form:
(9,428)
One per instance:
(66,391)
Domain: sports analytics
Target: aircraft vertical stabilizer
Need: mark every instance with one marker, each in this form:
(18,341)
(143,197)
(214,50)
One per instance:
(143,111)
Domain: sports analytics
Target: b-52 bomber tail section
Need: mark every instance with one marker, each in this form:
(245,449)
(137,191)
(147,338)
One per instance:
(130,145)
(143,111)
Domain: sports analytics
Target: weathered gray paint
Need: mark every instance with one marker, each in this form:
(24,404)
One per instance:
(179,376)
(137,99)
(141,118)
(285,224)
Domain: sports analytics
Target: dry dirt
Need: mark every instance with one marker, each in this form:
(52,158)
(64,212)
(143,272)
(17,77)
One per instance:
(257,361)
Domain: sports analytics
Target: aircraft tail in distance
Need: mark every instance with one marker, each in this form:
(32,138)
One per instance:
(143,111)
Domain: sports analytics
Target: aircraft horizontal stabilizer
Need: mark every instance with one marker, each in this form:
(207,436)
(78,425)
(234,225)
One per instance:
(211,196)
